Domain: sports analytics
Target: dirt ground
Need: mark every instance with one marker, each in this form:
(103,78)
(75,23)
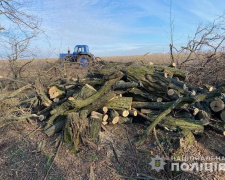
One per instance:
(27,153)
(113,158)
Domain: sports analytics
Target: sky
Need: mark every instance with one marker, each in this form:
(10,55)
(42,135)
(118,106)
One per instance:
(119,27)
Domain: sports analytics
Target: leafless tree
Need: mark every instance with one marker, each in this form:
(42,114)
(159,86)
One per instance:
(17,31)
(171,32)
(14,11)
(204,50)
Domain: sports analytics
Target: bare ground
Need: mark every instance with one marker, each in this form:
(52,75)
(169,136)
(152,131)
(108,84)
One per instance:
(113,158)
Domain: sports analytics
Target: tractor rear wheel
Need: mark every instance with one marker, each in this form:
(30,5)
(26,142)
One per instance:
(84,60)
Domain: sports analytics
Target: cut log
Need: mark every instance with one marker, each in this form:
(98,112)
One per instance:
(56,92)
(125,85)
(152,82)
(159,99)
(85,92)
(216,129)
(95,123)
(222,115)
(97,115)
(125,120)
(149,111)
(113,116)
(74,79)
(120,103)
(208,87)
(102,101)
(41,94)
(133,113)
(172,123)
(55,128)
(183,113)
(174,80)
(204,117)
(143,94)
(181,74)
(217,105)
(41,117)
(103,110)
(123,113)
(195,111)
(104,123)
(186,141)
(173,94)
(74,130)
(105,117)
(56,100)
(149,119)
(151,105)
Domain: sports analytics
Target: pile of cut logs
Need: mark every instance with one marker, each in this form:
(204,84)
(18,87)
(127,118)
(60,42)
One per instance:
(115,93)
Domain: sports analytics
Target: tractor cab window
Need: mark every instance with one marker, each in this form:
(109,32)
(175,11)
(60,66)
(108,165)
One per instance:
(79,49)
(87,49)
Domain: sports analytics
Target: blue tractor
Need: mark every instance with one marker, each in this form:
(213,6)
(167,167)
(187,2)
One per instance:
(81,55)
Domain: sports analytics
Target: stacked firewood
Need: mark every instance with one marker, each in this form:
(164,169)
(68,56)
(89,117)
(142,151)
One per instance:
(125,93)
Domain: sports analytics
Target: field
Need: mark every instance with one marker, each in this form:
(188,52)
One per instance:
(26,152)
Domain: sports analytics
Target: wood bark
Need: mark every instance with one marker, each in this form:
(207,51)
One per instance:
(74,129)
(125,120)
(85,92)
(97,115)
(125,85)
(41,94)
(152,82)
(151,105)
(222,115)
(133,113)
(95,123)
(113,116)
(142,94)
(56,127)
(120,103)
(204,117)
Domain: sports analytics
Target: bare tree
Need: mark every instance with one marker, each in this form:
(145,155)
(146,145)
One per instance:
(171,32)
(208,38)
(204,51)
(13,11)
(17,31)
(173,63)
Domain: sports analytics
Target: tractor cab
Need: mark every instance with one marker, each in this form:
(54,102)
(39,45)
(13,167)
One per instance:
(81,49)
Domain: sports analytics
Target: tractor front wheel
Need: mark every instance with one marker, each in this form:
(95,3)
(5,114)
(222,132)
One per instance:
(84,60)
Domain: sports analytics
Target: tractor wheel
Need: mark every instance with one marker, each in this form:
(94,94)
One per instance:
(84,60)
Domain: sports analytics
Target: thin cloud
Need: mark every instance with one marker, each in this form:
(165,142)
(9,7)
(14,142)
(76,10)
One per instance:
(121,26)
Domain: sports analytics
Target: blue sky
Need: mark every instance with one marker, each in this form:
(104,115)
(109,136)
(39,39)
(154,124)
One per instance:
(119,27)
